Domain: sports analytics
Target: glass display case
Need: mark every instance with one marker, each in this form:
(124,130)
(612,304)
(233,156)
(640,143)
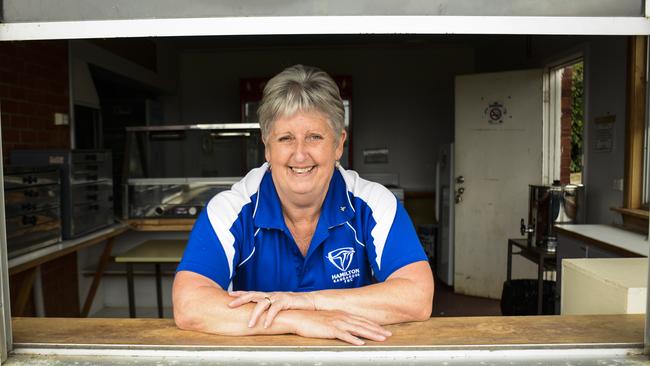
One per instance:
(173,171)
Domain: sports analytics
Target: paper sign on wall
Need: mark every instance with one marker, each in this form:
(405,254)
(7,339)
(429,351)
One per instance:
(604,141)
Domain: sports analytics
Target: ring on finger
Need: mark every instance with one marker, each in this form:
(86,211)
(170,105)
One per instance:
(269,300)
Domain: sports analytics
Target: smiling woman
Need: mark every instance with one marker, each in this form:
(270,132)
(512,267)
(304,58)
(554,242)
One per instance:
(462,54)
(301,245)
(303,150)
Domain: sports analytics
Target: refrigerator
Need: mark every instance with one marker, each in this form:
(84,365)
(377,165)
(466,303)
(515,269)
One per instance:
(444,259)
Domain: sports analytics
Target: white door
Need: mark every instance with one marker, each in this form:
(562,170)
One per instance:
(498,153)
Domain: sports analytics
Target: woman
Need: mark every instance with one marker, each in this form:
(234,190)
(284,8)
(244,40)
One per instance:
(310,248)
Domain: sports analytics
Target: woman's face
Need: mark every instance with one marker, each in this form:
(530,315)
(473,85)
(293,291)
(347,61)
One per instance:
(302,150)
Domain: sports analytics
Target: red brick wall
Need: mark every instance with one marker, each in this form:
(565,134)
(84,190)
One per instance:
(565,137)
(33,86)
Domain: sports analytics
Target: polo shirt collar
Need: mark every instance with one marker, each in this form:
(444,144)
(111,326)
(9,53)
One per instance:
(336,208)
(268,213)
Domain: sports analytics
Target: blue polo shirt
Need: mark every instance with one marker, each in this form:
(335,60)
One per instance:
(241,241)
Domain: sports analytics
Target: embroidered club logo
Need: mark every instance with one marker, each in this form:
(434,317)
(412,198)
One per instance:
(341,258)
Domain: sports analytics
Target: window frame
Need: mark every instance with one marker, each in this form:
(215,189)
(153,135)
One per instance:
(551,115)
(305,25)
(633,211)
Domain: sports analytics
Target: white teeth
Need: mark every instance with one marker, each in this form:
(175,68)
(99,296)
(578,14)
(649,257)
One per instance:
(302,170)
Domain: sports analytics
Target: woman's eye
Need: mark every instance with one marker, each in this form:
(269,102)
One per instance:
(314,137)
(284,138)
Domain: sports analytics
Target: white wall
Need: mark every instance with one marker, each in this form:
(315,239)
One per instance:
(405,90)
(607,96)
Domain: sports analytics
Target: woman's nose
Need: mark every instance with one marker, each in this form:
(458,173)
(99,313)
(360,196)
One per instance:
(300,153)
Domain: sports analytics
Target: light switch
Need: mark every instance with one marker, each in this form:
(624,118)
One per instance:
(617,185)
(61,119)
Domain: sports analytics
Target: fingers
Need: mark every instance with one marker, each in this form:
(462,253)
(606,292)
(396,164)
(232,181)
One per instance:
(351,331)
(346,327)
(244,297)
(362,327)
(263,302)
(258,311)
(347,337)
(370,325)
(275,308)
(366,332)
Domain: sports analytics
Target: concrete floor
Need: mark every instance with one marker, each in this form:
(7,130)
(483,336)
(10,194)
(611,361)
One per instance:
(447,303)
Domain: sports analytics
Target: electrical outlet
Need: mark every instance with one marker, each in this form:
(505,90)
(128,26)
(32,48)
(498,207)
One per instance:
(617,185)
(61,119)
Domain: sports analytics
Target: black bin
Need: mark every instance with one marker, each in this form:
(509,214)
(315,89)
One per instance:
(519,297)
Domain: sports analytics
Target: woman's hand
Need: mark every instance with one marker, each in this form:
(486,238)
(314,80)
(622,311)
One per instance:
(339,325)
(273,302)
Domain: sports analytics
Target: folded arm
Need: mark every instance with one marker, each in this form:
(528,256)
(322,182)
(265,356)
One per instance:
(200,304)
(406,295)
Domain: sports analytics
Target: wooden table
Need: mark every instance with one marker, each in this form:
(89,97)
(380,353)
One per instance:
(31,261)
(150,251)
(161,224)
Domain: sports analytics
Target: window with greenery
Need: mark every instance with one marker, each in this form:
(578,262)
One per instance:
(577,117)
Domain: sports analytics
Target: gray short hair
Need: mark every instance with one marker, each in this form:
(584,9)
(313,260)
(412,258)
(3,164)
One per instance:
(300,89)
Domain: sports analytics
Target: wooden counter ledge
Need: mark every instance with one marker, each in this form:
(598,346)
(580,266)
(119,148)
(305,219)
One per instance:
(436,332)
(161,224)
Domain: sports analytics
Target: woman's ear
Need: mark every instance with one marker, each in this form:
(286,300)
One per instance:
(340,145)
(267,153)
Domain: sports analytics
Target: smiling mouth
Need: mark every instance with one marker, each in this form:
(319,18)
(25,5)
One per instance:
(302,170)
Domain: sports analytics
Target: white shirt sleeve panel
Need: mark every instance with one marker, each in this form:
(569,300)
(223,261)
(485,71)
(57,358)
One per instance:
(225,207)
(382,203)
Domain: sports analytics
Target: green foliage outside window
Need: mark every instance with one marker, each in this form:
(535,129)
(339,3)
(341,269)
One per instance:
(577,118)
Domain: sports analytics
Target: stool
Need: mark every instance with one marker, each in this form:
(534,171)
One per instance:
(150,251)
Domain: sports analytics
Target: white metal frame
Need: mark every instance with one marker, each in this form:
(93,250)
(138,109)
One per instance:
(417,355)
(326,25)
(551,127)
(225,26)
(552,117)
(647,179)
(646,140)
(6,337)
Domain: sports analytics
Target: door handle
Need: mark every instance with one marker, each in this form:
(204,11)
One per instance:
(460,190)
